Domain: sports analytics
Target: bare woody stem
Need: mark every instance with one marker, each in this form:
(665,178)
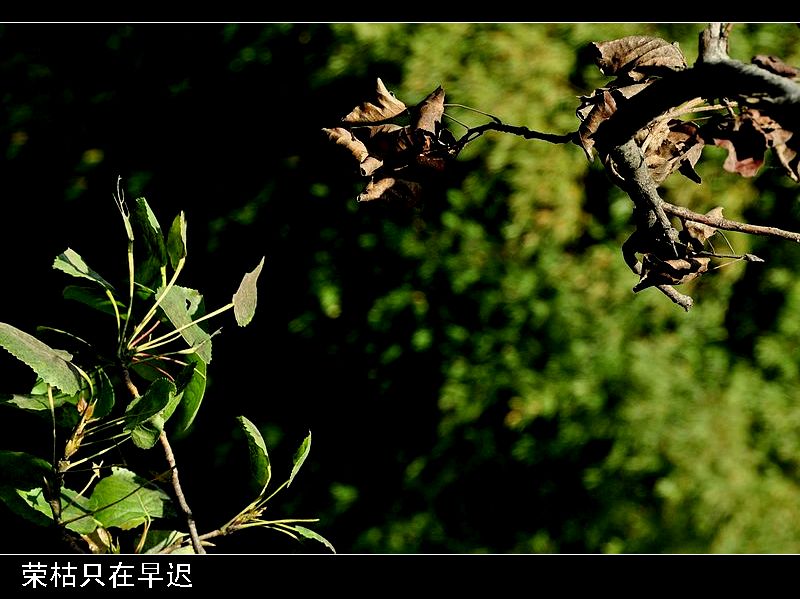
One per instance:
(729,225)
(524,132)
(176,483)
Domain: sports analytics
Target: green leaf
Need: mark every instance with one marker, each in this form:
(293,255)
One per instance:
(176,240)
(299,457)
(103,394)
(246,297)
(72,264)
(310,534)
(76,509)
(50,364)
(34,402)
(193,391)
(158,540)
(144,416)
(94,298)
(149,268)
(125,500)
(179,305)
(260,467)
(20,469)
(13,500)
(153,237)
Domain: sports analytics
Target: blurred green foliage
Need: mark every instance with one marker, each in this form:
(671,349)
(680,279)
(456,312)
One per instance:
(477,373)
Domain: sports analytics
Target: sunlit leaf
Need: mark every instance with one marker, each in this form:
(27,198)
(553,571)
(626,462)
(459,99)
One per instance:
(176,240)
(145,415)
(71,263)
(310,534)
(50,364)
(130,499)
(158,540)
(154,255)
(638,56)
(193,391)
(299,457)
(76,510)
(260,467)
(246,297)
(385,107)
(180,304)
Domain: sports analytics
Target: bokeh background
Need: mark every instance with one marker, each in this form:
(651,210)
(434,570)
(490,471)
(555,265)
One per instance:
(476,372)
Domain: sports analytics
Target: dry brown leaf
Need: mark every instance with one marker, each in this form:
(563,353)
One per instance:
(429,112)
(391,189)
(671,145)
(749,136)
(696,234)
(369,165)
(345,138)
(670,272)
(604,106)
(387,107)
(789,157)
(385,141)
(638,57)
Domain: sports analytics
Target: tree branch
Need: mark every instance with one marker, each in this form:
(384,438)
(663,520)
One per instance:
(729,225)
(176,483)
(524,132)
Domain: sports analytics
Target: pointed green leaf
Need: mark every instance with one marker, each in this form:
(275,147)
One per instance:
(260,467)
(103,394)
(193,391)
(310,534)
(154,249)
(246,297)
(176,240)
(299,457)
(152,235)
(33,402)
(50,364)
(180,304)
(72,264)
(144,417)
(125,500)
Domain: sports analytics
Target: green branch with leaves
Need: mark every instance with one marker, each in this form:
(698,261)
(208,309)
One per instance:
(95,407)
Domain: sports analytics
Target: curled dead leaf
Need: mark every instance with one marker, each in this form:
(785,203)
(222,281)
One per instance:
(345,138)
(695,234)
(386,107)
(369,165)
(391,189)
(671,145)
(598,107)
(429,112)
(670,272)
(638,56)
(604,106)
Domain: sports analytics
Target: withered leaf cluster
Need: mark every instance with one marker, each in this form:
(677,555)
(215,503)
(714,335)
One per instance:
(396,158)
(670,144)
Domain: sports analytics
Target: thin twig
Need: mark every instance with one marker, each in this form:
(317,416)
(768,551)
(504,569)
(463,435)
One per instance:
(729,225)
(176,485)
(514,130)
